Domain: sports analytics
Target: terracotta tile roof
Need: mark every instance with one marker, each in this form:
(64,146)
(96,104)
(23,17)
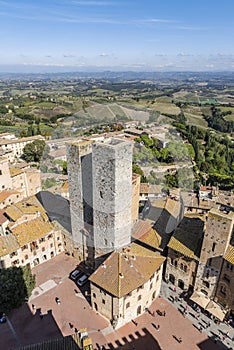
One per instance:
(31,230)
(69,342)
(127,269)
(29,205)
(187,238)
(144,188)
(155,189)
(143,232)
(229,255)
(15,171)
(5,194)
(24,139)
(8,244)
(216,213)
(2,217)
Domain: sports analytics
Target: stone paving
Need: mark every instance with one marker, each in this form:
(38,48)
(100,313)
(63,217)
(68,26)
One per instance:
(75,312)
(222,333)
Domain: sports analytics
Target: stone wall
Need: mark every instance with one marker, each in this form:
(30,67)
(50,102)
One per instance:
(112,195)
(180,270)
(127,308)
(136,179)
(217,236)
(79,164)
(224,293)
(5,178)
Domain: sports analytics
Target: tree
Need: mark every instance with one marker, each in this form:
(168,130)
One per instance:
(16,285)
(33,151)
(137,169)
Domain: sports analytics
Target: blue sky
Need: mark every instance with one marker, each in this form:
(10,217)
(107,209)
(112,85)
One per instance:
(117,34)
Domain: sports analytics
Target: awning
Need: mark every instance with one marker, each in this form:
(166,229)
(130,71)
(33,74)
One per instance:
(215,310)
(200,299)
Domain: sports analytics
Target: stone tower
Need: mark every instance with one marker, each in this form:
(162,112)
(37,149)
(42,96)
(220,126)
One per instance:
(100,188)
(79,164)
(112,195)
(218,232)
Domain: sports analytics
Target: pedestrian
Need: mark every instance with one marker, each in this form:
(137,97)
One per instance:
(76,330)
(180,340)
(209,324)
(71,325)
(57,300)
(164,313)
(174,289)
(41,315)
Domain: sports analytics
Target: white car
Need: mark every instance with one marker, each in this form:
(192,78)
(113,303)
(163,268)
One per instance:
(82,280)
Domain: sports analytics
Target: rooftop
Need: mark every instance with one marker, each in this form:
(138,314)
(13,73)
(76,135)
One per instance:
(187,238)
(30,205)
(143,232)
(216,213)
(24,139)
(5,194)
(8,244)
(126,270)
(229,255)
(31,230)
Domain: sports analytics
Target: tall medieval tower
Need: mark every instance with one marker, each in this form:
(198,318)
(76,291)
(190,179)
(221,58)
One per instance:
(100,187)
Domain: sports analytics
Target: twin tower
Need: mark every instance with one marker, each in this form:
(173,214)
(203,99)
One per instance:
(100,189)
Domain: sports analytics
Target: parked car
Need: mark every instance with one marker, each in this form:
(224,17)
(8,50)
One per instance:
(2,317)
(82,280)
(75,274)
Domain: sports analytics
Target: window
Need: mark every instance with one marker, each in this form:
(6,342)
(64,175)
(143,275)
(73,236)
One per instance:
(181,266)
(49,236)
(151,285)
(175,263)
(24,247)
(207,274)
(13,254)
(51,245)
(204,291)
(185,268)
(0,172)
(209,262)
(58,238)
(42,240)
(103,301)
(94,295)
(139,297)
(127,305)
(213,247)
(226,278)
(26,257)
(43,249)
(205,283)
(223,290)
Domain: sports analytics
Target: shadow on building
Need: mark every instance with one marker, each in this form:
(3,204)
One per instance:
(213,343)
(25,326)
(136,341)
(57,208)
